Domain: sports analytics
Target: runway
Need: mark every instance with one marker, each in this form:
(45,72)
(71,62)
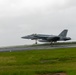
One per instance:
(22,48)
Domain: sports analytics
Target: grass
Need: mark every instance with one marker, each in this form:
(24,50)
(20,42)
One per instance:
(38,62)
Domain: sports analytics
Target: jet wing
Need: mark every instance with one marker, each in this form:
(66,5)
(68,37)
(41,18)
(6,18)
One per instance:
(49,39)
(55,38)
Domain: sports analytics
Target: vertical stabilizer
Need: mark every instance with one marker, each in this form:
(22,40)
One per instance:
(63,33)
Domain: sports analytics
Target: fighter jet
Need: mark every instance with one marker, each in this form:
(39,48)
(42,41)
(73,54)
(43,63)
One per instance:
(48,38)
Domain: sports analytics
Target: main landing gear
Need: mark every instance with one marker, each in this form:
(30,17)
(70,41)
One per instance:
(36,42)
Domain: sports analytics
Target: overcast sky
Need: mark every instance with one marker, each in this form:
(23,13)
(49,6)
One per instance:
(22,17)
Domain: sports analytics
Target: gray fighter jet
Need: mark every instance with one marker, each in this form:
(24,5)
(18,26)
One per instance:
(48,38)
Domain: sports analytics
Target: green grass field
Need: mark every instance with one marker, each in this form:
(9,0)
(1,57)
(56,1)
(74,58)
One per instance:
(38,62)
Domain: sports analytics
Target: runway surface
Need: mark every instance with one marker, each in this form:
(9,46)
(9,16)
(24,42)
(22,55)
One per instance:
(21,48)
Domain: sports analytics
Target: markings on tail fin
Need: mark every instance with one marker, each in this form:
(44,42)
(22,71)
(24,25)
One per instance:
(63,33)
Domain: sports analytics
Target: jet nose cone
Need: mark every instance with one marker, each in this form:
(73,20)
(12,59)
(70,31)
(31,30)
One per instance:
(24,37)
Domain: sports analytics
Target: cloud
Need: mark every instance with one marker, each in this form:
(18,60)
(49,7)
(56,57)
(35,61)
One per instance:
(25,7)
(22,17)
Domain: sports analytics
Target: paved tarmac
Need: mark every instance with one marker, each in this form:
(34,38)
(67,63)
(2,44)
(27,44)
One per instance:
(22,48)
